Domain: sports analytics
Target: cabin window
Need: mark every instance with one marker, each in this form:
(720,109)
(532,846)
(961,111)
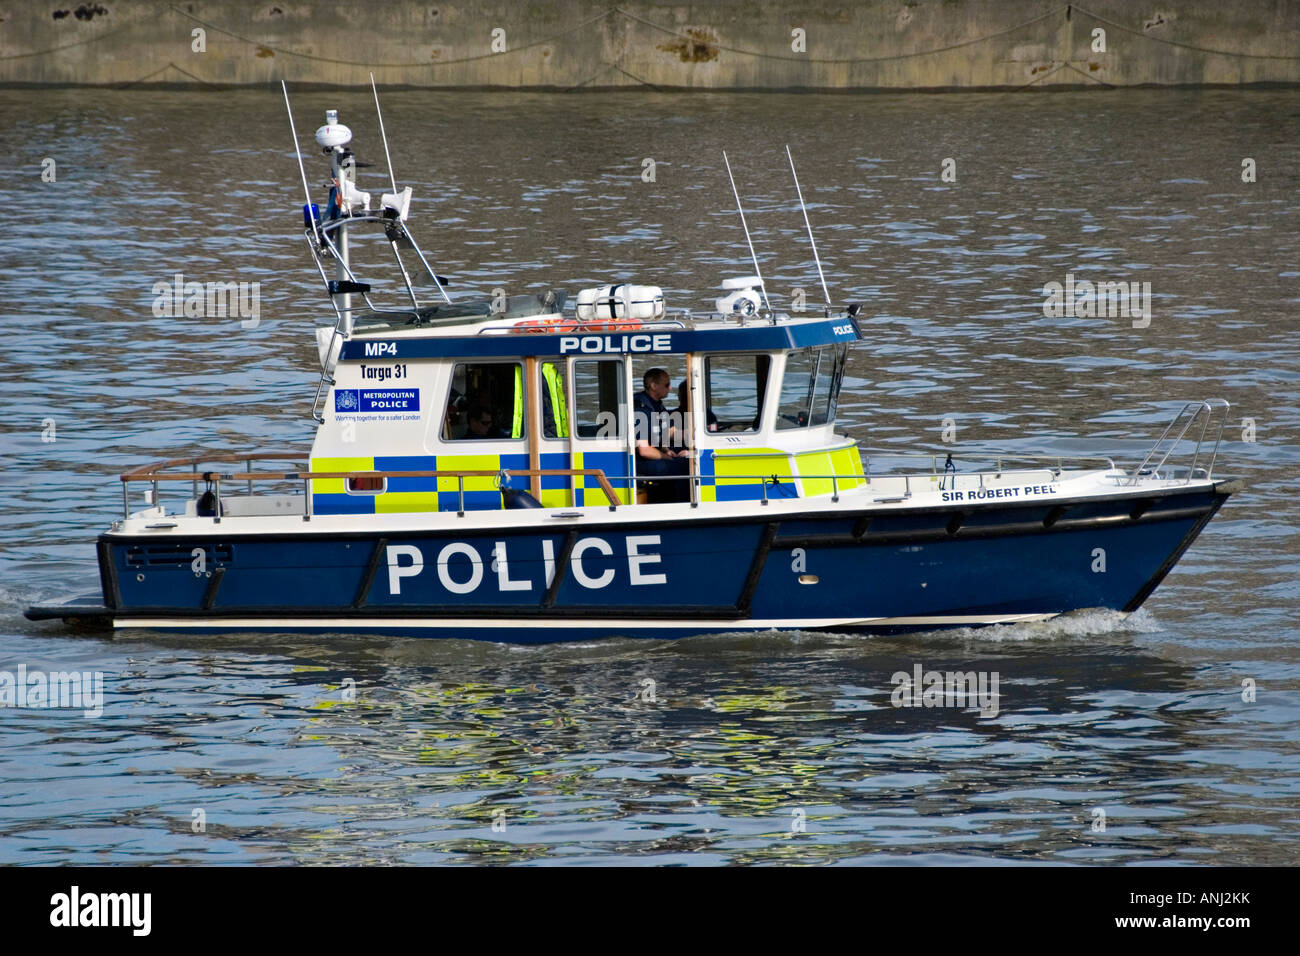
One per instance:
(485,402)
(811,390)
(734,386)
(598,397)
(554,399)
(368,485)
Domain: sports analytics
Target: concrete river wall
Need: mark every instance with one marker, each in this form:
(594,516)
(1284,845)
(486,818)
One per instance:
(727,44)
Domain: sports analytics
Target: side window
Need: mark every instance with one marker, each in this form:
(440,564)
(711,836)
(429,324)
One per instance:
(485,401)
(795,410)
(555,405)
(598,396)
(826,393)
(366,486)
(734,386)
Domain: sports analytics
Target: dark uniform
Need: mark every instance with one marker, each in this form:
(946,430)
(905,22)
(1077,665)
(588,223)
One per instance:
(651,422)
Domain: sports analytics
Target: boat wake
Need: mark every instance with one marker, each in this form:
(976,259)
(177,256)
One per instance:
(16,597)
(1088,622)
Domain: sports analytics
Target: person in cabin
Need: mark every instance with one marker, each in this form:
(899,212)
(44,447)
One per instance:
(459,409)
(682,417)
(454,425)
(481,424)
(655,456)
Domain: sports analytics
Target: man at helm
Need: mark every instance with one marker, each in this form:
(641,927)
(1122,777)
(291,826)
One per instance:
(655,458)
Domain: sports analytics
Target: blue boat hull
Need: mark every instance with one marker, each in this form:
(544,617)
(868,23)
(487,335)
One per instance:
(900,570)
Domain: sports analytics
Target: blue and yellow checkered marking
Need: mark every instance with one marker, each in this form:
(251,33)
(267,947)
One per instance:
(328,496)
(554,488)
(725,475)
(615,465)
(405,495)
(417,493)
(735,475)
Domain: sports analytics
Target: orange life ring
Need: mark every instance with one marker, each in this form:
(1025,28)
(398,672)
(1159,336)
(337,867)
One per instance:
(559,324)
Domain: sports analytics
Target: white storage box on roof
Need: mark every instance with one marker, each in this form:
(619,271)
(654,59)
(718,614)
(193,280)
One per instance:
(623,301)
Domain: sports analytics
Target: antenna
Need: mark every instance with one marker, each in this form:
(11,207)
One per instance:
(758,272)
(811,240)
(392,240)
(301,168)
(382,134)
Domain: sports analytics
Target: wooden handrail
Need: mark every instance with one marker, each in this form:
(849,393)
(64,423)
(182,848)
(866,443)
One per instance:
(194,460)
(148,473)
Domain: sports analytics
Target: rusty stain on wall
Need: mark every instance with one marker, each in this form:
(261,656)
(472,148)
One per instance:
(698,46)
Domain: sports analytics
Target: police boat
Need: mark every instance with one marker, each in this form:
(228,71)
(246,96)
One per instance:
(510,469)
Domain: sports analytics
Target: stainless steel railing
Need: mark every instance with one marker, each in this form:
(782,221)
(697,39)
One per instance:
(1178,430)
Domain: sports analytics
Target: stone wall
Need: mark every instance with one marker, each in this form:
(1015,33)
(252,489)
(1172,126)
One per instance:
(727,44)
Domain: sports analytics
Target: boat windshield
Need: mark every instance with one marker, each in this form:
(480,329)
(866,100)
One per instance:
(811,387)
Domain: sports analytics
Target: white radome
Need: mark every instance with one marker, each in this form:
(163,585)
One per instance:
(335,135)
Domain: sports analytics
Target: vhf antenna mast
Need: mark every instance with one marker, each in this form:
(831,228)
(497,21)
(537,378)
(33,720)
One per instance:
(762,287)
(811,240)
(384,136)
(306,190)
(392,238)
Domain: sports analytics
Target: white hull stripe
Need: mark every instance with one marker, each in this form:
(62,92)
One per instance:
(589,624)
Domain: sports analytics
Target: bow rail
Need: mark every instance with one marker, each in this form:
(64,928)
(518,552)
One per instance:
(1178,430)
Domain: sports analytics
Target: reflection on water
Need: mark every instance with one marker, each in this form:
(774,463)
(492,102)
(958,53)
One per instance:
(745,749)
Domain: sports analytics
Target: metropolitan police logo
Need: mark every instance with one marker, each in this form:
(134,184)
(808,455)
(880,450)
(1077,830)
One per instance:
(347,400)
